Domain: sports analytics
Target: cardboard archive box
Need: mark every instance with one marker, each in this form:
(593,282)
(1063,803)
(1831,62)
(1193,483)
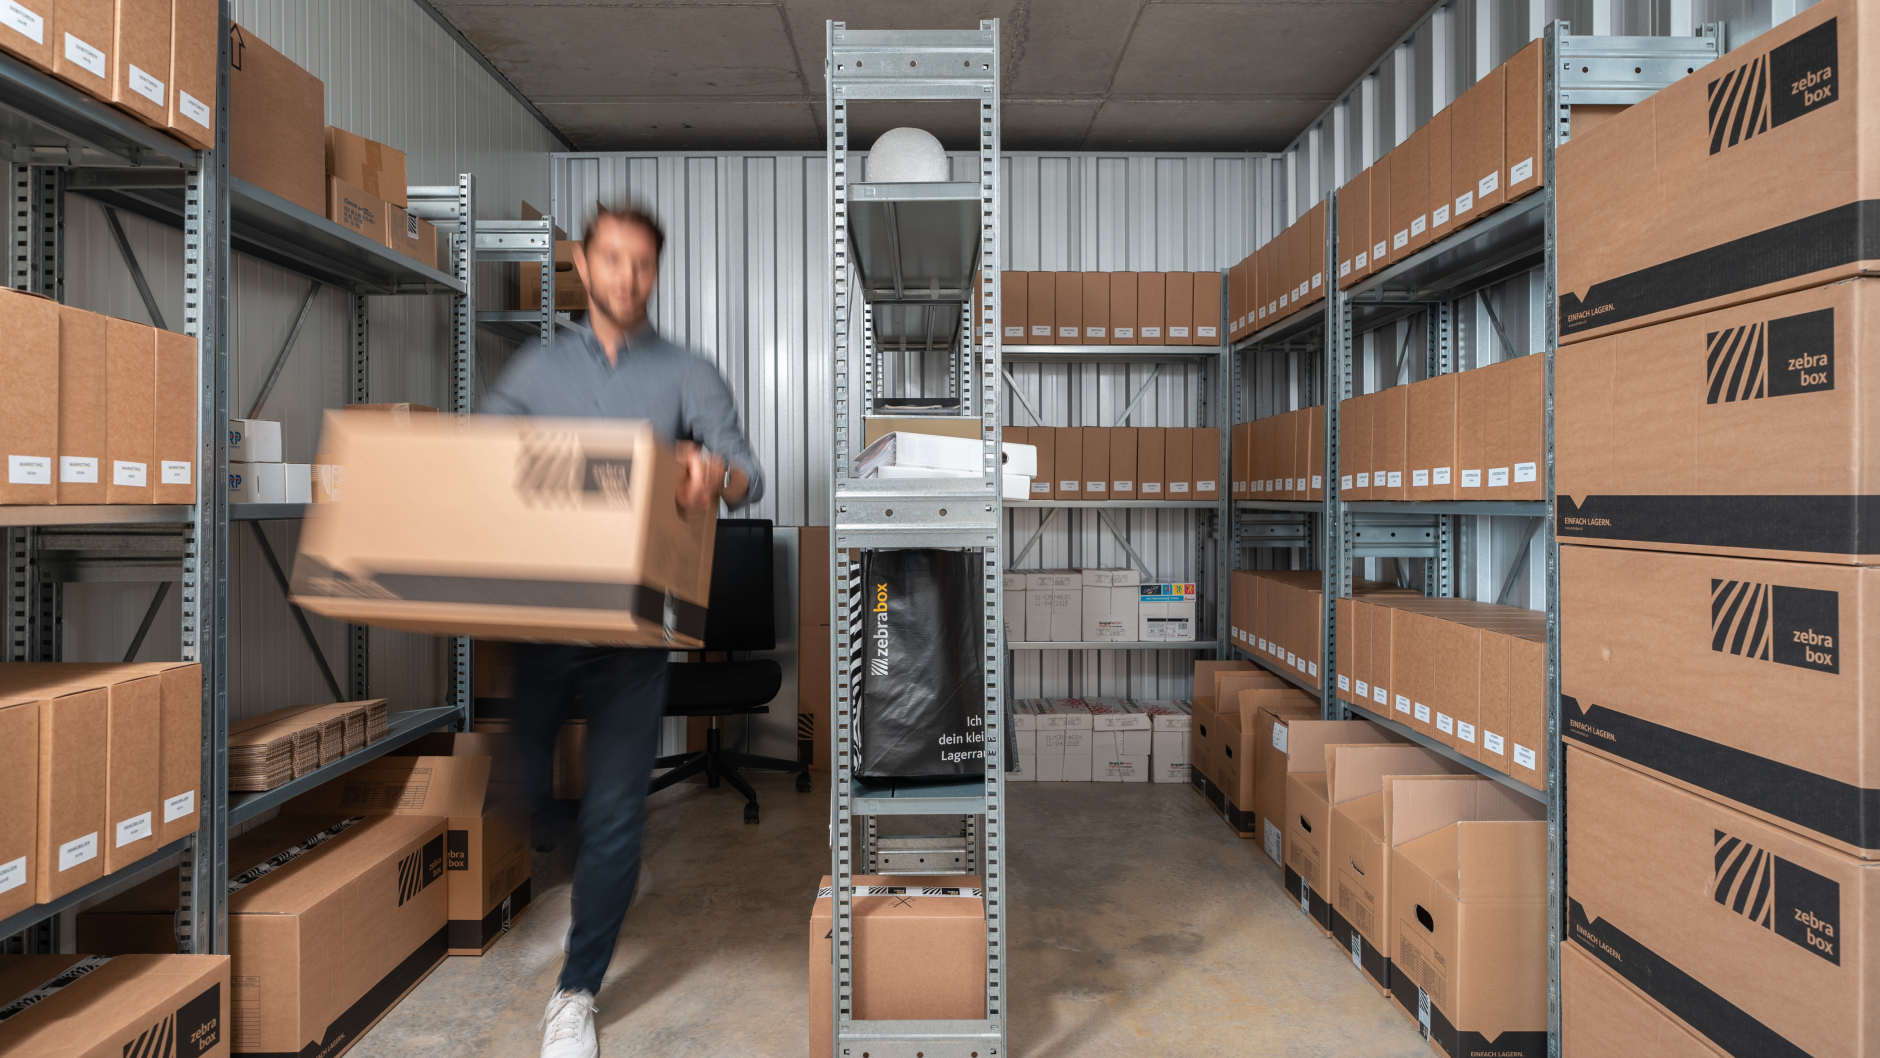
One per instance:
(1380,212)
(1068,307)
(919,952)
(1354,230)
(173,1006)
(26,32)
(277,118)
(69,753)
(1041,308)
(1410,194)
(1442,134)
(1478,131)
(29,405)
(1179,308)
(1206,313)
(324,943)
(130,411)
(1094,448)
(1123,308)
(1125,442)
(1152,308)
(1205,443)
(1354,448)
(194,25)
(614,561)
(1067,459)
(1430,438)
(81,406)
(1523,115)
(1307,819)
(1766,225)
(19,789)
(82,35)
(173,442)
(1602,1015)
(1096,307)
(1012,301)
(1752,935)
(1468,896)
(1152,463)
(1514,436)
(140,60)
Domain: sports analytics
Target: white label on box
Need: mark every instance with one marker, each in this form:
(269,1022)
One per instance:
(1465,732)
(1440,215)
(1067,332)
(1302,291)
(1312,668)
(148,87)
(1067,486)
(1344,269)
(1041,486)
(1152,332)
(1439,476)
(1380,695)
(1206,486)
(1497,477)
(1178,486)
(79,470)
(1465,202)
(1125,332)
(1344,482)
(33,28)
(1378,251)
(177,807)
(1400,240)
(1291,659)
(1357,950)
(175,472)
(1093,332)
(1403,704)
(29,470)
(1279,737)
(130,475)
(1396,480)
(1094,486)
(1123,486)
(1524,756)
(1364,690)
(1491,742)
(1418,225)
(1272,840)
(1488,184)
(1364,481)
(1015,332)
(1289,485)
(1283,298)
(1204,332)
(91,59)
(1361,259)
(1178,332)
(78,850)
(1524,471)
(136,828)
(1471,479)
(1419,478)
(1263,643)
(1318,482)
(1305,896)
(1423,1012)
(12,874)
(1520,171)
(1152,487)
(1042,330)
(197,111)
(1422,713)
(1445,723)
(1344,682)
(1318,280)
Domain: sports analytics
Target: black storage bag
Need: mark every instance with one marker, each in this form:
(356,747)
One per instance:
(920,666)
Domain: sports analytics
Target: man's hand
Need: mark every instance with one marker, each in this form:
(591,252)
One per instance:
(702,479)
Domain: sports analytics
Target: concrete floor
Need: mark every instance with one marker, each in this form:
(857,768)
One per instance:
(1140,926)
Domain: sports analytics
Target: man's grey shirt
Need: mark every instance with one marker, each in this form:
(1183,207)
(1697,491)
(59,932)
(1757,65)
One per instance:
(677,390)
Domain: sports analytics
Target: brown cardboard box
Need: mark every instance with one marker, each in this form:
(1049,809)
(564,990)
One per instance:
(1044,439)
(323,944)
(1271,728)
(83,34)
(1013,288)
(1239,452)
(1307,817)
(1229,773)
(916,955)
(1354,447)
(26,32)
(1411,669)
(813,631)
(19,789)
(1096,457)
(276,114)
(194,26)
(1219,693)
(1123,308)
(486,842)
(1246,729)
(1600,1015)
(74,732)
(1765,225)
(1178,463)
(1096,308)
(1380,213)
(416,238)
(1260,290)
(174,412)
(1652,641)
(1354,229)
(1725,432)
(1478,132)
(1468,899)
(1442,129)
(1041,308)
(593,497)
(359,212)
(570,295)
(1358,847)
(1492,697)
(1515,395)
(1527,709)
(169,1005)
(130,362)
(1456,685)
(1206,467)
(1152,463)
(1068,458)
(368,165)
(1410,194)
(1430,436)
(29,403)
(140,60)
(1123,449)
(1068,313)
(1751,934)
(82,374)
(1206,313)
(1179,309)
(1472,429)
(1152,308)
(1388,440)
(1526,171)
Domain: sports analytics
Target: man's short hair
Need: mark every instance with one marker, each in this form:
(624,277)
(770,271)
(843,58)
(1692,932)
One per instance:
(627,213)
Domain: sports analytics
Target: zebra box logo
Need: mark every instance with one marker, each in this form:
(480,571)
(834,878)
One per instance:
(191,1032)
(1780,358)
(1773,622)
(1795,903)
(1794,79)
(556,470)
(417,871)
(878,639)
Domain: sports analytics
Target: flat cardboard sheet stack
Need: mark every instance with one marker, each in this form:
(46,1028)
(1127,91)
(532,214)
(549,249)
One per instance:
(267,750)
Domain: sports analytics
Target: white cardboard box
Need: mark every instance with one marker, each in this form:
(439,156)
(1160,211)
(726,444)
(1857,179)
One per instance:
(1120,756)
(299,482)
(907,449)
(1117,714)
(254,441)
(1054,606)
(1168,612)
(1065,726)
(1111,608)
(1169,741)
(257,483)
(1016,486)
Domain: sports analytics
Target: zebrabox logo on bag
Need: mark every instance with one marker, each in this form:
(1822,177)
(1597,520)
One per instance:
(1780,358)
(878,664)
(417,871)
(1790,900)
(1774,622)
(1794,79)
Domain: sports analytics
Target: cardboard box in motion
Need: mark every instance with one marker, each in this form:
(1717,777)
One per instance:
(919,952)
(277,121)
(142,1006)
(1601,1015)
(555,530)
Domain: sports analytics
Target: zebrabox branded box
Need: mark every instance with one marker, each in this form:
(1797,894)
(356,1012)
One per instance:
(1754,936)
(1601,1015)
(1697,668)
(1240,759)
(425,540)
(160,1006)
(1729,432)
(1307,819)
(1739,129)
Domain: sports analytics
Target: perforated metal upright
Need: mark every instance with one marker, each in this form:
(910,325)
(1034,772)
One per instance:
(958,222)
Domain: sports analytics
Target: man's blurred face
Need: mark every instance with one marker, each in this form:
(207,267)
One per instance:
(618,269)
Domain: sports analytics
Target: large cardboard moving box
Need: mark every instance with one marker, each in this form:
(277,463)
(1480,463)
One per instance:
(1601,1015)
(919,952)
(1241,765)
(1754,936)
(427,538)
(277,121)
(1307,825)
(130,1006)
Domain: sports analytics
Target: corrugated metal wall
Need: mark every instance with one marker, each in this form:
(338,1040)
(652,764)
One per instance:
(394,75)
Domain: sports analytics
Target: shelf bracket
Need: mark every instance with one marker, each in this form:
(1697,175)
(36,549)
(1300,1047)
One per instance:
(137,272)
(280,358)
(1124,542)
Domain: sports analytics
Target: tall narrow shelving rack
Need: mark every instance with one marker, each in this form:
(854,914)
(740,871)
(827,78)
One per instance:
(1578,70)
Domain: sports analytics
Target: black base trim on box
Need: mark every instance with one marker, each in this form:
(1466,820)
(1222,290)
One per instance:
(350,1025)
(1217,797)
(1830,807)
(1829,239)
(1725,1024)
(1198,780)
(1814,525)
(1240,819)
(1375,963)
(1317,907)
(1458,1043)
(471,934)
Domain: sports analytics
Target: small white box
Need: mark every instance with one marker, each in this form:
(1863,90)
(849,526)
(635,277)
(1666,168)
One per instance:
(270,482)
(254,441)
(299,482)
(1118,714)
(241,484)
(1110,605)
(1168,612)
(1054,606)
(1064,727)
(1168,756)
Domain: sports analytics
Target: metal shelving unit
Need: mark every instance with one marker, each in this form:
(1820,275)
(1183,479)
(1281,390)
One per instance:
(400,729)
(1601,70)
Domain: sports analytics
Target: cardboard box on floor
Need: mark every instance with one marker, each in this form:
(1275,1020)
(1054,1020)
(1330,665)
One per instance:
(1602,1015)
(1629,257)
(323,944)
(614,560)
(1307,819)
(1753,935)
(1271,726)
(919,952)
(277,121)
(486,843)
(1468,899)
(1202,704)
(1239,759)
(29,404)
(173,1006)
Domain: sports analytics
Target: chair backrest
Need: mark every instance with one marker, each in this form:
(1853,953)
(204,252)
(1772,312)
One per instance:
(742,611)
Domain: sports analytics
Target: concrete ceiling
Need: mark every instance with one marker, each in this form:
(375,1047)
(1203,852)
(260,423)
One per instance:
(1090,75)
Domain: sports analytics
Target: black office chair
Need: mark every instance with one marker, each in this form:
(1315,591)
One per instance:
(741,616)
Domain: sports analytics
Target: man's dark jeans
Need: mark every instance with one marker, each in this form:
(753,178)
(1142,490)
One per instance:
(623,693)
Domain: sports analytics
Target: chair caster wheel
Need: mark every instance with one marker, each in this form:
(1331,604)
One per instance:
(802,782)
(750,813)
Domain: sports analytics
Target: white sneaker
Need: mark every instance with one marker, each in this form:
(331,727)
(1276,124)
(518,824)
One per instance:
(568,1026)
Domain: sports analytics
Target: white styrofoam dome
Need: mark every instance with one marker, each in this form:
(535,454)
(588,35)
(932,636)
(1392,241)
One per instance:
(907,156)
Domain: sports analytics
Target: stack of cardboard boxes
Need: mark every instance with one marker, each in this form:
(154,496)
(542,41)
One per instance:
(365,192)
(1277,614)
(1110,308)
(1123,462)
(1469,435)
(1281,278)
(1716,466)
(1098,606)
(1100,740)
(1280,457)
